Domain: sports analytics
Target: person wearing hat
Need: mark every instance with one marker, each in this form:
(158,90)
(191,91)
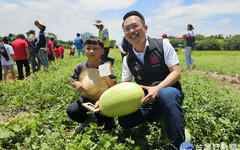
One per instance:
(86,73)
(11,38)
(164,36)
(104,35)
(190,37)
(42,43)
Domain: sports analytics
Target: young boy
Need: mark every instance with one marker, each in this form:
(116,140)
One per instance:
(8,65)
(94,48)
(57,52)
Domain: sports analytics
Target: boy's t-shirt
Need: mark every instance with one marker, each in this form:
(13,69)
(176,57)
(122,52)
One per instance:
(10,51)
(83,65)
(57,52)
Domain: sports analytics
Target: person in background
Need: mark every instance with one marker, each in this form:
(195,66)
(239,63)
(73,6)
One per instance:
(8,65)
(42,43)
(1,48)
(104,35)
(73,49)
(11,38)
(164,36)
(31,40)
(190,37)
(79,45)
(61,49)
(57,52)
(21,55)
(124,47)
(155,67)
(50,50)
(94,48)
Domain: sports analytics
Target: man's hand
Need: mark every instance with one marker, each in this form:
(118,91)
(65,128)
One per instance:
(123,52)
(151,96)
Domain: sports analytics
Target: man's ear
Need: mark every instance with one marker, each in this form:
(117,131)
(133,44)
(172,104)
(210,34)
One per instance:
(146,28)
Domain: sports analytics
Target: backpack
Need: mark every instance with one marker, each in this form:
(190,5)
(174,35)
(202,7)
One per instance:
(193,44)
(3,51)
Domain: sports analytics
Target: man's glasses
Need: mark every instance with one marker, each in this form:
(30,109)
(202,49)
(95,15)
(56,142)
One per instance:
(128,29)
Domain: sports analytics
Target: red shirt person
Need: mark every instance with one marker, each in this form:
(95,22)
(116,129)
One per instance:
(21,55)
(57,52)
(50,49)
(61,51)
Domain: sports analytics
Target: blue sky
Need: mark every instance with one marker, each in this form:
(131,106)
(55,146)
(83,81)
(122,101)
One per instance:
(65,18)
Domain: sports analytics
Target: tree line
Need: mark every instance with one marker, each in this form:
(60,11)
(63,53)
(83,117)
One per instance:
(213,42)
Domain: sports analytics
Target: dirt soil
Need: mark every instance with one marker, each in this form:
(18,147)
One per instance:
(227,81)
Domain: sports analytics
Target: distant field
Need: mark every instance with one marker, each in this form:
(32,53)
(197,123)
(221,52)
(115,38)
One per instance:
(223,62)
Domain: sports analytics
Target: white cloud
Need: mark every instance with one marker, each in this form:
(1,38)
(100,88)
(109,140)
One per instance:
(65,18)
(175,14)
(225,21)
(61,17)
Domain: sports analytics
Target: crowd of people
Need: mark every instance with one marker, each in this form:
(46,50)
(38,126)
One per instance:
(152,62)
(39,50)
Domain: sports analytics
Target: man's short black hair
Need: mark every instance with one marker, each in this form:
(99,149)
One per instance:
(94,40)
(134,13)
(21,36)
(78,34)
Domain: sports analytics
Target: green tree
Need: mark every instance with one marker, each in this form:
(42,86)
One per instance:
(52,35)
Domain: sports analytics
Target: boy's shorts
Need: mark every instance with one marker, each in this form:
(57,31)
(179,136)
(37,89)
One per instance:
(8,67)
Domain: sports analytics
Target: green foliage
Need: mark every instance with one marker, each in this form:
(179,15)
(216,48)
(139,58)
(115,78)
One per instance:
(211,112)
(112,43)
(213,42)
(223,62)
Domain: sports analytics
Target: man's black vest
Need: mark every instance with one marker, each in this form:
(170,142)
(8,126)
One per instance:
(42,40)
(154,69)
(126,45)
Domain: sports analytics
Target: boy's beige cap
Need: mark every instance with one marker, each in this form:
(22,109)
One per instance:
(94,84)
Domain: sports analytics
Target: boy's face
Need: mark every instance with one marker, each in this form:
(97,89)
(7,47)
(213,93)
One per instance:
(93,51)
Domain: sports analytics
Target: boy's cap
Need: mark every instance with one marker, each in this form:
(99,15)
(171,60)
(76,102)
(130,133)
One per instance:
(164,35)
(189,26)
(95,84)
(98,22)
(39,22)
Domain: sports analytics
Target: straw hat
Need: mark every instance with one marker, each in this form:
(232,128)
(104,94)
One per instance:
(39,22)
(98,22)
(94,84)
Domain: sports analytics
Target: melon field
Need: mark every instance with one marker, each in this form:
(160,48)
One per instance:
(33,111)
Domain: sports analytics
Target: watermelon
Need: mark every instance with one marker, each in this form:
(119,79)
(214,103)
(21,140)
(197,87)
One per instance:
(121,99)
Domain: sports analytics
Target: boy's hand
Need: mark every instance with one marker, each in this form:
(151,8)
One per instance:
(79,87)
(97,106)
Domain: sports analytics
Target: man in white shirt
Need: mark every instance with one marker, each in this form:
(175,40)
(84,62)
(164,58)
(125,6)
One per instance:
(155,67)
